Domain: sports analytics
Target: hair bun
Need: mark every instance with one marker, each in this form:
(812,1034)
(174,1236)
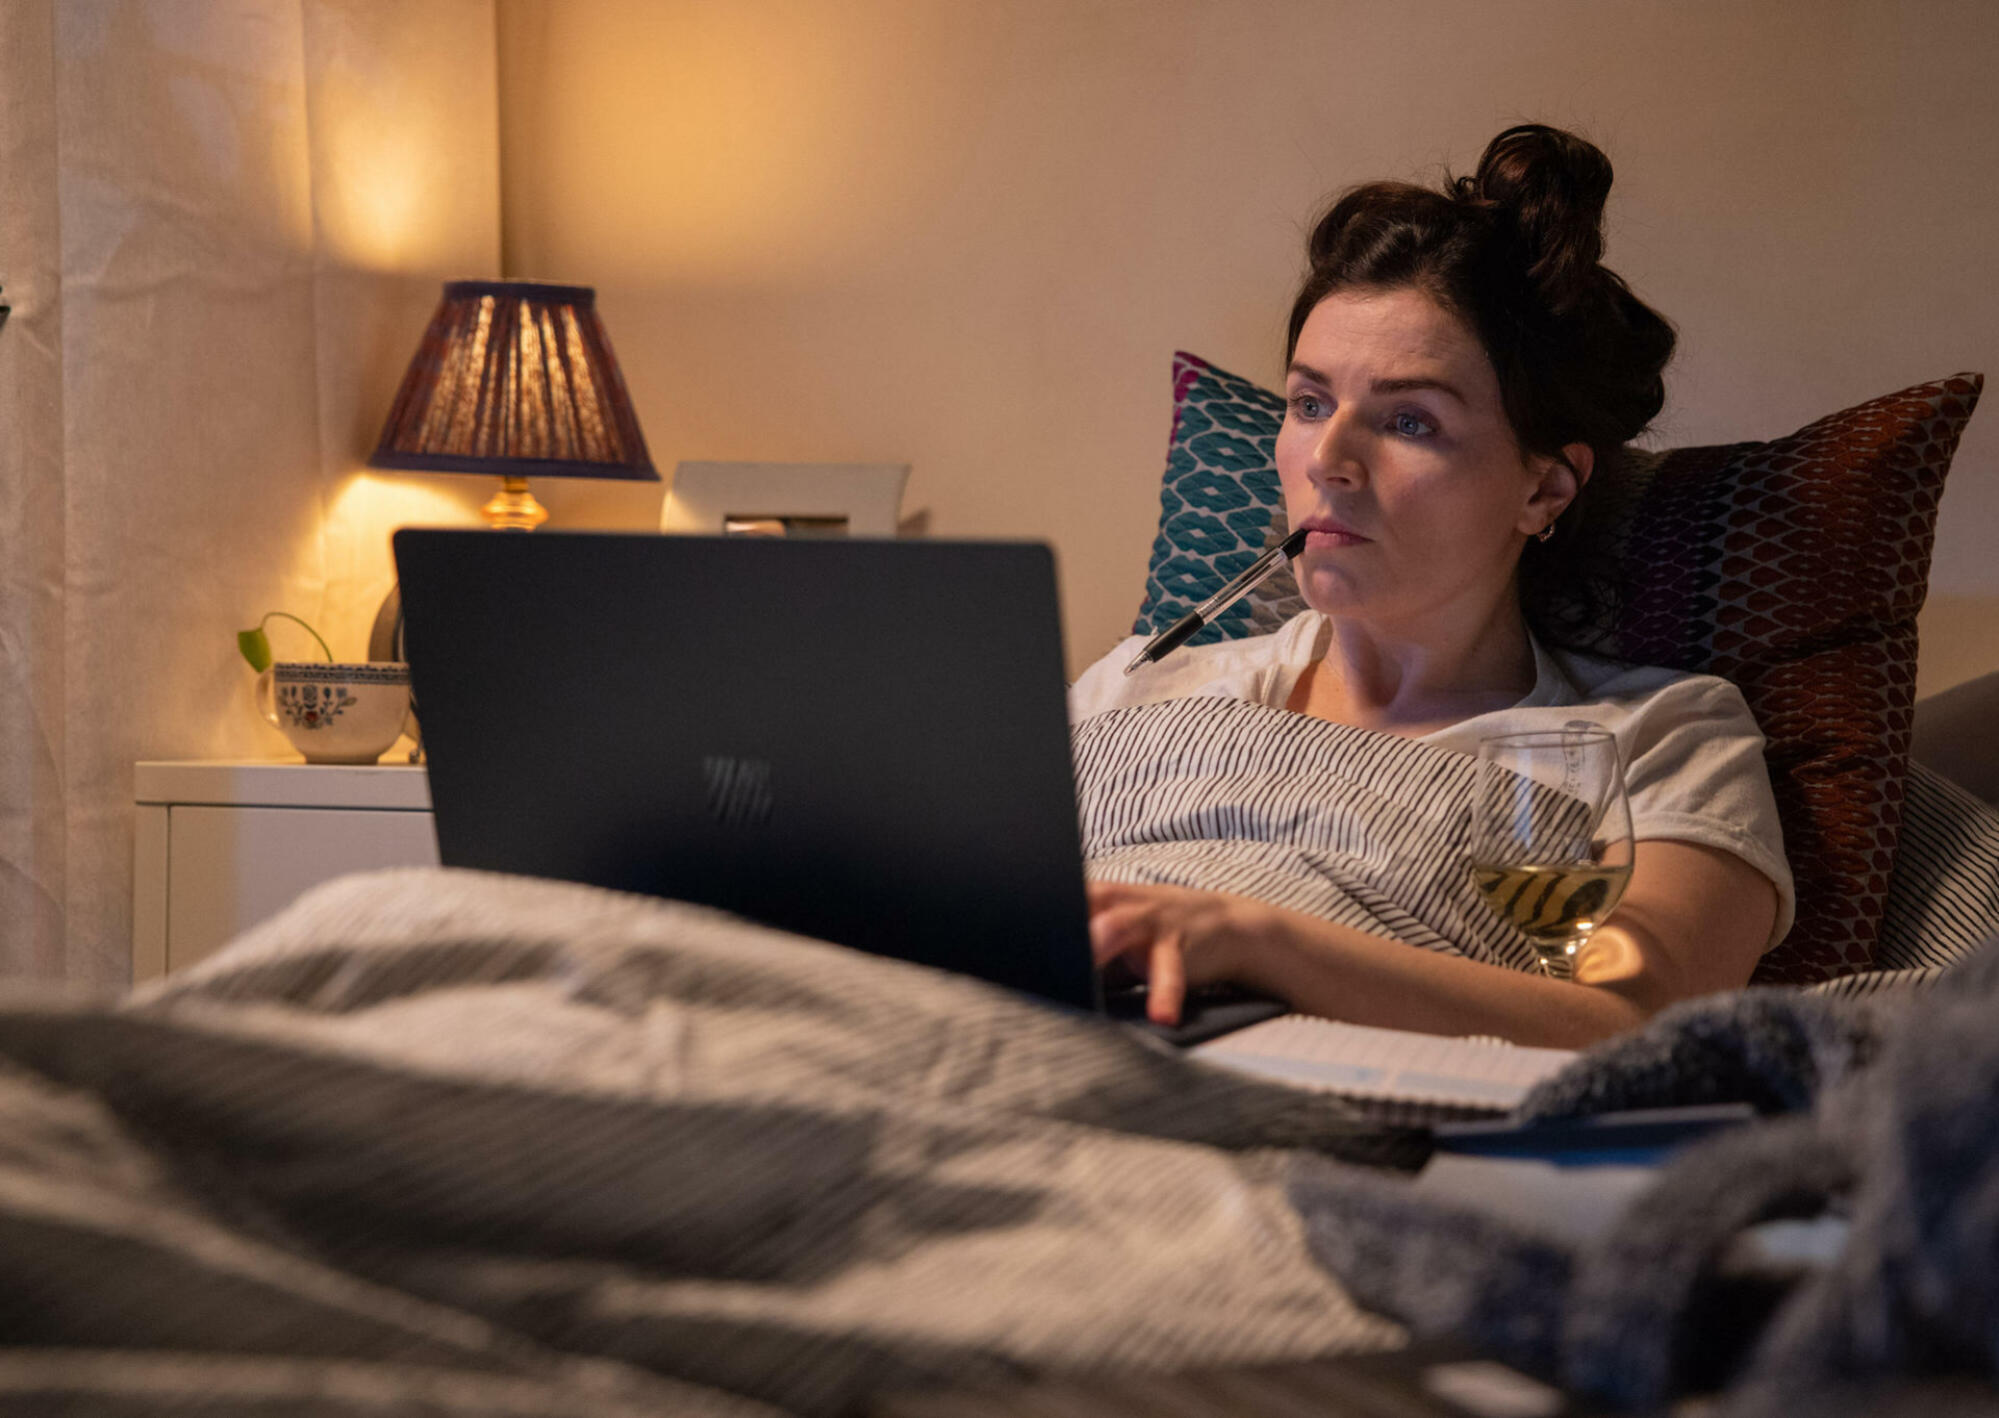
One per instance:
(1550,187)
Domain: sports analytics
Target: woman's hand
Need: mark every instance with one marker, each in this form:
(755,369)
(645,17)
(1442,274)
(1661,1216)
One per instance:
(1173,938)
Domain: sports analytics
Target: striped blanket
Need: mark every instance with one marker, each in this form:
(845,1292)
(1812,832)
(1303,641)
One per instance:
(449,1143)
(1365,829)
(1372,831)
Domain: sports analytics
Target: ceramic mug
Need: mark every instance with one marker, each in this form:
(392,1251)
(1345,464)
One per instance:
(336,713)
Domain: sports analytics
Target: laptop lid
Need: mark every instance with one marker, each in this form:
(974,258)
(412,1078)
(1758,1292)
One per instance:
(862,741)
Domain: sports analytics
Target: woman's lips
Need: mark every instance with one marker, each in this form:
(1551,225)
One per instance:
(1321,537)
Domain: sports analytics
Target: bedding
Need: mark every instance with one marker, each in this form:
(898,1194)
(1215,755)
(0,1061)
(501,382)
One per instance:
(1369,830)
(1953,735)
(1793,568)
(1943,897)
(445,1142)
(436,1141)
(1364,829)
(439,1141)
(1833,1257)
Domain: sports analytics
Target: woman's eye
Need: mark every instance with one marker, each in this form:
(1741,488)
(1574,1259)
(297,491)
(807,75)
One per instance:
(1308,406)
(1413,425)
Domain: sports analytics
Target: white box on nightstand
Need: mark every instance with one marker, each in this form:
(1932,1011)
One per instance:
(222,846)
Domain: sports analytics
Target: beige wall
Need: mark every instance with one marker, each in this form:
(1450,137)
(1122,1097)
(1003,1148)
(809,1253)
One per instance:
(971,235)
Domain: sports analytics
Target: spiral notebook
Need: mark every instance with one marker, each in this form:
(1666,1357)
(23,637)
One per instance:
(1427,1073)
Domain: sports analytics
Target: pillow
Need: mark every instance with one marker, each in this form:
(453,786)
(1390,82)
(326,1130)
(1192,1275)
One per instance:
(1219,506)
(1793,568)
(1953,735)
(1943,901)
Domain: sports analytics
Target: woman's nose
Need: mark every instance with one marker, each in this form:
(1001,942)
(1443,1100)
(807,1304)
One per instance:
(1335,458)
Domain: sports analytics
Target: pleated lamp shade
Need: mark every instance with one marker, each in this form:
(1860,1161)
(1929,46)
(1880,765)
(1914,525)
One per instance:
(515,379)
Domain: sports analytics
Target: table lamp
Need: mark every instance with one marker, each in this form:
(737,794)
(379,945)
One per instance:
(515,379)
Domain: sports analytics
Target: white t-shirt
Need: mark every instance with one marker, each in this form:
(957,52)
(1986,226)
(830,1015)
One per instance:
(1693,756)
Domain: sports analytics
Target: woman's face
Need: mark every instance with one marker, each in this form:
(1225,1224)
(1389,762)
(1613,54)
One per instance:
(1396,451)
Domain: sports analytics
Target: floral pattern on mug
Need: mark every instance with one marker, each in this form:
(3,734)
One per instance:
(307,706)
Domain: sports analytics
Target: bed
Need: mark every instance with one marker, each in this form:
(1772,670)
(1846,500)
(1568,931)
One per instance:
(440,1142)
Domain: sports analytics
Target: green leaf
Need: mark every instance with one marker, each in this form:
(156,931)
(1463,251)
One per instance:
(256,648)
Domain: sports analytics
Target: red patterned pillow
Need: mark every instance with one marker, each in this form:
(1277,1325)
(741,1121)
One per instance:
(1795,569)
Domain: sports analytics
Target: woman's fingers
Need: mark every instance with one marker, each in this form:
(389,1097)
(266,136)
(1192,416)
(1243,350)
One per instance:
(1167,934)
(1166,981)
(1133,933)
(1116,930)
(1104,894)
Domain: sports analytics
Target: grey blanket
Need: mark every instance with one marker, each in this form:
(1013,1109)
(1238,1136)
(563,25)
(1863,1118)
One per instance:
(438,1142)
(1879,1127)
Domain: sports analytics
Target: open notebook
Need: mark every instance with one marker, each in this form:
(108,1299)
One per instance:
(1425,1074)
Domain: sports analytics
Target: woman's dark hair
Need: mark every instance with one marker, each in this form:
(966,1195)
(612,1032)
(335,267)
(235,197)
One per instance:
(1515,251)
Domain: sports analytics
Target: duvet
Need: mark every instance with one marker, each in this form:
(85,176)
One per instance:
(439,1141)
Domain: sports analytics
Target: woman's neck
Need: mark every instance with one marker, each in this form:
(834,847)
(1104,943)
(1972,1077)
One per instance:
(1416,679)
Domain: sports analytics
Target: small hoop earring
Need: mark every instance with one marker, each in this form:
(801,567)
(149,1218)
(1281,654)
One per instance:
(1545,533)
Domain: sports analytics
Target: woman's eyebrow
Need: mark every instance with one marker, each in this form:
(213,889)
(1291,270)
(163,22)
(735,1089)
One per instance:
(1397,386)
(1383,386)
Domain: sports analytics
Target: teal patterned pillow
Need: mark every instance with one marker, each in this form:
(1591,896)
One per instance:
(1220,506)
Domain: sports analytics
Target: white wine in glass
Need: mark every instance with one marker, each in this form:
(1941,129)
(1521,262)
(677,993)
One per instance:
(1551,837)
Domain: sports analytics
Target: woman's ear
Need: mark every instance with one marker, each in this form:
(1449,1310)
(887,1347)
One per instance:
(1561,479)
(1582,458)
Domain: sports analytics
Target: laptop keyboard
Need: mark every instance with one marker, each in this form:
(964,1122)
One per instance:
(1208,1012)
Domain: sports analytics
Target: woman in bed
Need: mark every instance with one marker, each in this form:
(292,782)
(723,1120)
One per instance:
(1462,369)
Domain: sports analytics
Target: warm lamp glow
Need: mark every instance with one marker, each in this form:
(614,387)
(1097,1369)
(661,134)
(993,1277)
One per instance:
(373,506)
(404,169)
(373,213)
(717,143)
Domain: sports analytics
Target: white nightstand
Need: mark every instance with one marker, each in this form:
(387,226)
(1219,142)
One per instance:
(221,846)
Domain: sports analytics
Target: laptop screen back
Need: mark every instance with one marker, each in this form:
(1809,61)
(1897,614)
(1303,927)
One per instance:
(861,741)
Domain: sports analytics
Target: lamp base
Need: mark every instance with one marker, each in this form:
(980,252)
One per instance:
(513,508)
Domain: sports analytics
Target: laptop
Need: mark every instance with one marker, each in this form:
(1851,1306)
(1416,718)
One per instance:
(862,741)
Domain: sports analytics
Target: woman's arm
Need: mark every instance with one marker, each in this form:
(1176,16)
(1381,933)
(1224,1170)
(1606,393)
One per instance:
(1694,920)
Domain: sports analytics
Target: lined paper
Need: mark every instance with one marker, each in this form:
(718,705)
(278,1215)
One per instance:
(1361,1061)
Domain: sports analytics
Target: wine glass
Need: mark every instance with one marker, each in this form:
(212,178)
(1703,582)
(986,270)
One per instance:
(1551,836)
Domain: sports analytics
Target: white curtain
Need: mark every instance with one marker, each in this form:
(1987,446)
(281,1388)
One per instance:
(223,225)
